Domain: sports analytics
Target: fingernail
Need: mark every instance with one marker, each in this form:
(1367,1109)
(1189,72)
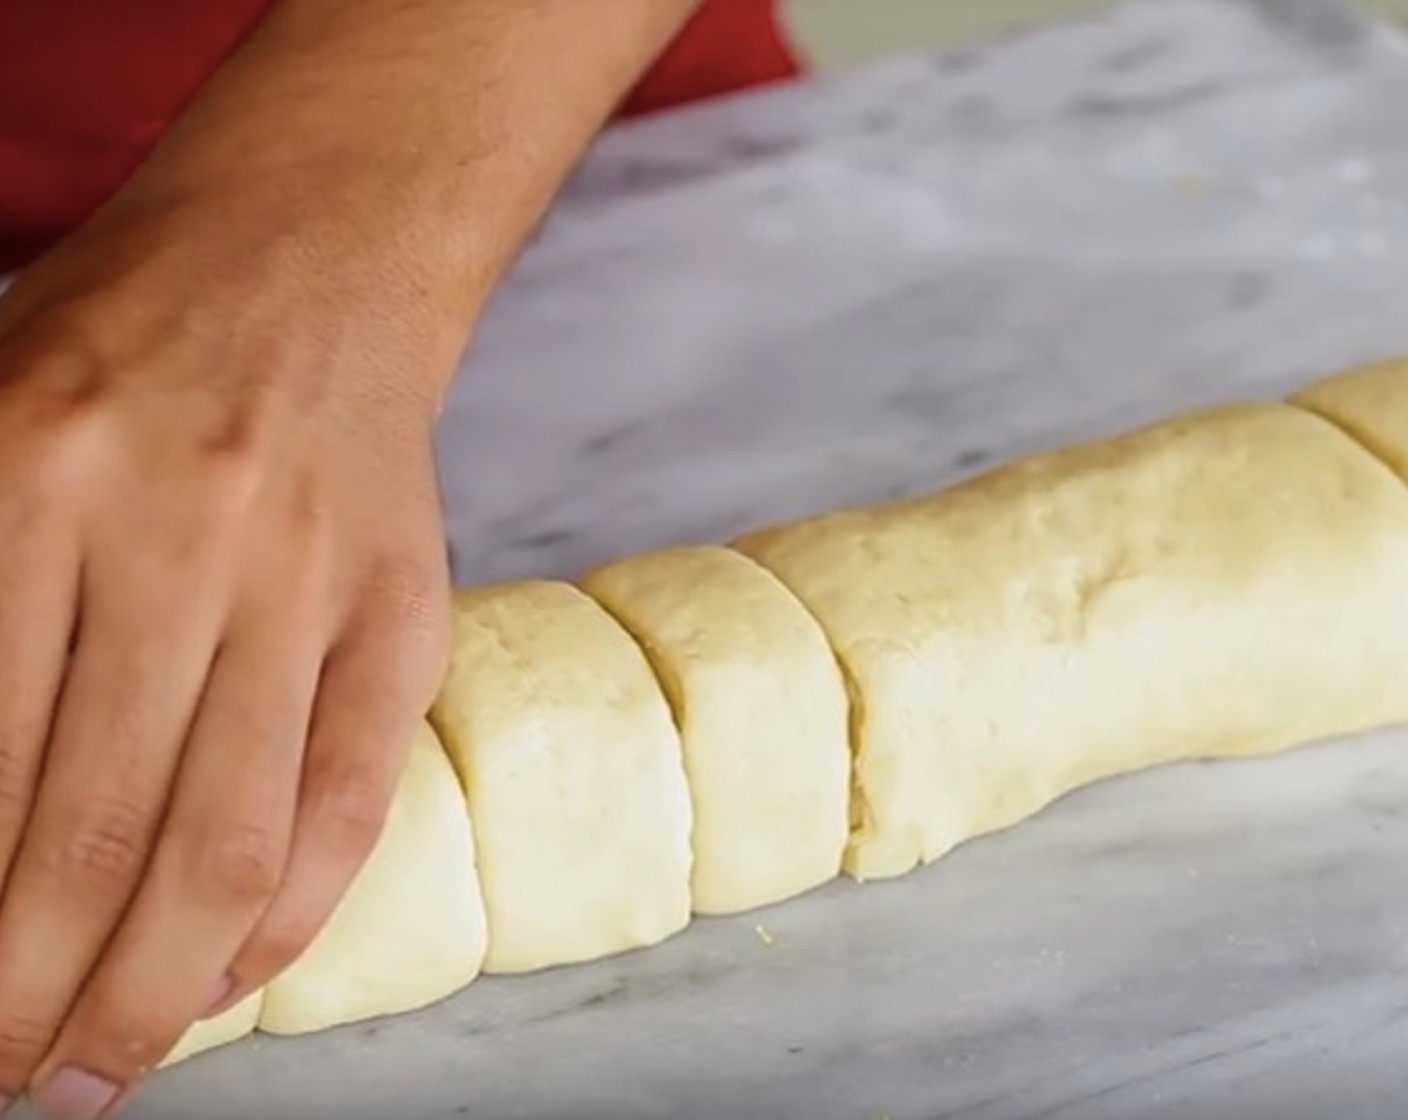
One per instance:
(222,990)
(73,1094)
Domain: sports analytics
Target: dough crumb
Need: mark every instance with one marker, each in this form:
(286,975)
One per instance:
(765,936)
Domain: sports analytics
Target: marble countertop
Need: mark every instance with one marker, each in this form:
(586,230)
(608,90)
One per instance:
(870,286)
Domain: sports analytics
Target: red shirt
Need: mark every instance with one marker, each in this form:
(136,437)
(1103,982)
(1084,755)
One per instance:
(88,87)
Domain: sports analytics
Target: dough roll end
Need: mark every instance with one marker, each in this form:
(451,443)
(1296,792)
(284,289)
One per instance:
(1230,583)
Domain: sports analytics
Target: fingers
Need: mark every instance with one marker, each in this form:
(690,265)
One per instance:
(38,593)
(242,830)
(377,684)
(218,864)
(138,667)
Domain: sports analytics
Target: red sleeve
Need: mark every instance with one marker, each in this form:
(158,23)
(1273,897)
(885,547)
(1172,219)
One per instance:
(728,46)
(88,88)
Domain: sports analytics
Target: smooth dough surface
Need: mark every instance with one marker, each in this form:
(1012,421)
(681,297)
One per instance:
(1228,583)
(574,775)
(411,930)
(761,707)
(1371,404)
(231,1026)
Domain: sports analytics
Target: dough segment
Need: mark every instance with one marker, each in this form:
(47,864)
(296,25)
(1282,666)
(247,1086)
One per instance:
(229,1026)
(573,771)
(1371,404)
(762,711)
(1228,583)
(411,930)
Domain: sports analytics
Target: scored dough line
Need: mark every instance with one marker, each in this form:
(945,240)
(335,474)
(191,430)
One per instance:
(1380,452)
(760,706)
(858,814)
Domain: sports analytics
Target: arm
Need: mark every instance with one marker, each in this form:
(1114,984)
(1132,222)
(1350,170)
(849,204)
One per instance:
(417,141)
(217,487)
(445,126)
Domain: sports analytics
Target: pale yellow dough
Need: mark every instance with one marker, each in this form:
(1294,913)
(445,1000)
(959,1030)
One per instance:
(762,711)
(1229,583)
(411,930)
(233,1025)
(1371,404)
(574,775)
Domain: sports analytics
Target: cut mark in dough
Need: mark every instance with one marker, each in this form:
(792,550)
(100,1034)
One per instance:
(1370,406)
(573,770)
(761,708)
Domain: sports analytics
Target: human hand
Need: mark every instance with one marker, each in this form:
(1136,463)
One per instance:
(223,609)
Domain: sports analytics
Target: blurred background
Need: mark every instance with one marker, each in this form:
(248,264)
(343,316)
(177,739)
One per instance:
(841,32)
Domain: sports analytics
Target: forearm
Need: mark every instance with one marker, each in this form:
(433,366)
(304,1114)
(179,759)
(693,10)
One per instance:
(425,136)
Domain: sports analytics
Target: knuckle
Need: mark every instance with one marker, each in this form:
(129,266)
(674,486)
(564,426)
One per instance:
(310,549)
(32,512)
(409,613)
(108,847)
(219,484)
(206,510)
(354,802)
(229,477)
(23,1041)
(413,593)
(276,948)
(124,1031)
(243,863)
(235,438)
(16,777)
(64,378)
(55,409)
(134,715)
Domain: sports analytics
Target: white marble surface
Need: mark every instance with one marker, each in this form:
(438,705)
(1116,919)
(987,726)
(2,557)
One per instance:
(835,294)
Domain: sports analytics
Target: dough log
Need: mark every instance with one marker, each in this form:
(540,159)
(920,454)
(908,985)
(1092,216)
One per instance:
(1224,584)
(710,729)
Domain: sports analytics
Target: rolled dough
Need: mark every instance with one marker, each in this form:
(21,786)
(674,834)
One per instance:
(574,776)
(1228,583)
(230,1026)
(762,712)
(1371,404)
(411,929)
